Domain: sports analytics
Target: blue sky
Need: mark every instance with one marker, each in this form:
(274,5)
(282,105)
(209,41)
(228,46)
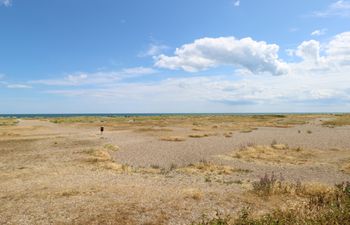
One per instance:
(64,56)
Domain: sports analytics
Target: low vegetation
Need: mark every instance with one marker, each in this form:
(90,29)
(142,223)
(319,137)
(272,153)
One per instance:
(318,204)
(172,138)
(207,123)
(340,120)
(345,167)
(202,135)
(275,153)
(8,121)
(208,168)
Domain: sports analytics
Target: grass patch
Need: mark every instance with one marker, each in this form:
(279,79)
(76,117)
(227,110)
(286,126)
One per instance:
(153,129)
(345,167)
(111,147)
(172,138)
(276,153)
(201,135)
(8,121)
(209,168)
(193,193)
(317,207)
(340,120)
(248,130)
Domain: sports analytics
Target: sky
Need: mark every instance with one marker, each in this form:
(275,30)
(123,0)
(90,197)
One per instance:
(183,56)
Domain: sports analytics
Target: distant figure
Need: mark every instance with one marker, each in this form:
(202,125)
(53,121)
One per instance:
(102,129)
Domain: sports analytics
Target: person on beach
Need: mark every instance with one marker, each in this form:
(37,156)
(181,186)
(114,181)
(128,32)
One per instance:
(102,129)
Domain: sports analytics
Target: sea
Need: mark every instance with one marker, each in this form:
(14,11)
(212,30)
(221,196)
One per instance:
(146,114)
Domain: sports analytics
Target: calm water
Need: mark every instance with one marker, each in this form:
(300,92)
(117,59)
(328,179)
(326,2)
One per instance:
(142,114)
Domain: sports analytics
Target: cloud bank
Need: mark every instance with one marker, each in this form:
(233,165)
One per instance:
(204,53)
(318,79)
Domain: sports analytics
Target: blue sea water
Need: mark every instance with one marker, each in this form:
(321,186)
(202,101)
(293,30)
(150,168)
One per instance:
(142,114)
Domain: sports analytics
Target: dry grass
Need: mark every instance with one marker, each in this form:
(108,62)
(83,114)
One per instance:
(195,122)
(202,135)
(193,193)
(111,147)
(8,121)
(345,167)
(276,153)
(228,134)
(153,129)
(276,185)
(248,130)
(209,168)
(172,138)
(314,204)
(340,120)
(102,159)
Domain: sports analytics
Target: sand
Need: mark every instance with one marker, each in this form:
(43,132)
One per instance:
(70,174)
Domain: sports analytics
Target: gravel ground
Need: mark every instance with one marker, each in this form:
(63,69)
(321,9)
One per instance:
(47,176)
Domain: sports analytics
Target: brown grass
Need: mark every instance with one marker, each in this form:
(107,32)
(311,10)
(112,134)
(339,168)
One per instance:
(194,122)
(111,147)
(193,193)
(8,121)
(248,130)
(276,185)
(328,205)
(153,129)
(276,153)
(345,167)
(209,168)
(202,135)
(340,120)
(172,138)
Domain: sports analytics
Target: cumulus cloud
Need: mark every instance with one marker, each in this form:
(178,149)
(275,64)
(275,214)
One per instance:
(340,8)
(97,78)
(318,32)
(6,3)
(319,80)
(309,51)
(332,56)
(204,53)
(237,3)
(338,50)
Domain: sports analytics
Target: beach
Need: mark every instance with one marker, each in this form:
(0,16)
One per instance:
(163,169)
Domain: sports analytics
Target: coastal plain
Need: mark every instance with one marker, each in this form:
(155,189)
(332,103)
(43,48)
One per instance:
(166,169)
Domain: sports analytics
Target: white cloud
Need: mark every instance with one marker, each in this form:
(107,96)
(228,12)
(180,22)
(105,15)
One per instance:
(340,8)
(318,82)
(267,93)
(18,86)
(338,50)
(153,50)
(6,3)
(98,78)
(318,32)
(331,56)
(237,3)
(309,51)
(204,53)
